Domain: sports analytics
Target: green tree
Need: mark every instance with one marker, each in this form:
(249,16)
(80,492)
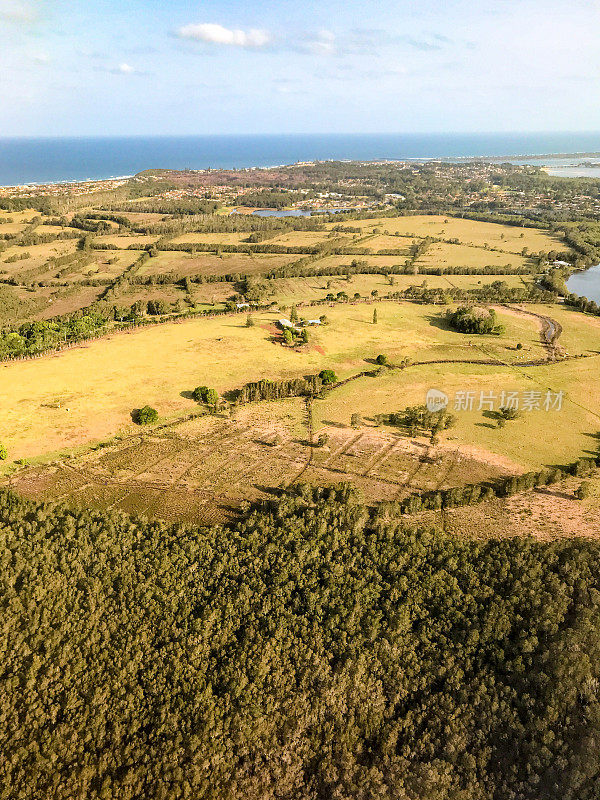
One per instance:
(3,452)
(147,416)
(374,316)
(212,398)
(328,377)
(199,394)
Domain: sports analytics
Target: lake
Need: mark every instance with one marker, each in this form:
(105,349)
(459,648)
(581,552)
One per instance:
(296,212)
(586,284)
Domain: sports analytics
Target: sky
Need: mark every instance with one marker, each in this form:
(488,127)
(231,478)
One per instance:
(120,67)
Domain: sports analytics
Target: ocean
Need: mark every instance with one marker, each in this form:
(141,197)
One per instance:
(51,160)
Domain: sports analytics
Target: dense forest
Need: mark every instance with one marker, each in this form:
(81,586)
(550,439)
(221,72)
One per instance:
(314,649)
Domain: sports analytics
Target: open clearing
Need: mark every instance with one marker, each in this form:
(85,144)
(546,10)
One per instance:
(507,237)
(203,469)
(53,409)
(88,392)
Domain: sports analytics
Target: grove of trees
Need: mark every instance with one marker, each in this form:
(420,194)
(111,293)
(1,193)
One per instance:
(313,650)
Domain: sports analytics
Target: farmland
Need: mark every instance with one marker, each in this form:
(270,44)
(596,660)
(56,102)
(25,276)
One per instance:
(68,417)
(209,464)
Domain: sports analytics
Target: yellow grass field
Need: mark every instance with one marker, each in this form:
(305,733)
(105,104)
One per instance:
(101,268)
(11,227)
(123,241)
(507,237)
(444,255)
(537,438)
(210,238)
(39,254)
(18,216)
(302,238)
(182,264)
(295,290)
(88,393)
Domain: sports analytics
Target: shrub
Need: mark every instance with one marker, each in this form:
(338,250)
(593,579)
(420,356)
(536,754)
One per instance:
(583,491)
(381,359)
(212,397)
(199,394)
(147,416)
(3,452)
(328,377)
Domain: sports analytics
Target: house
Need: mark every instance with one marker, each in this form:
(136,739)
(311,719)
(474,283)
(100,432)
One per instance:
(313,322)
(285,323)
(242,305)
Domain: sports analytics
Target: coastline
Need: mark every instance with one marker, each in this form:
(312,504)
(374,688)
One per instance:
(68,183)
(64,161)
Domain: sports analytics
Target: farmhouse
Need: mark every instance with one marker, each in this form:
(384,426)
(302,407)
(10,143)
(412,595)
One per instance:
(285,323)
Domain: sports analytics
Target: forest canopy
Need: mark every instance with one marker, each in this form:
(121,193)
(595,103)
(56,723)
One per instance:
(313,650)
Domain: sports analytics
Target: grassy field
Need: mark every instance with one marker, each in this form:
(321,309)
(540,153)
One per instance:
(183,264)
(123,241)
(444,255)
(507,237)
(537,437)
(580,332)
(58,401)
(210,238)
(38,255)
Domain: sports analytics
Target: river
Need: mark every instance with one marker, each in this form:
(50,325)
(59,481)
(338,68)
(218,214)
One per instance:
(586,283)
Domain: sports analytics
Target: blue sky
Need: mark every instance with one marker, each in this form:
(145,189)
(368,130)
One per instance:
(77,67)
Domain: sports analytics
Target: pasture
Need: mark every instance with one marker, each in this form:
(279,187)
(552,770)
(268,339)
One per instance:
(506,237)
(87,393)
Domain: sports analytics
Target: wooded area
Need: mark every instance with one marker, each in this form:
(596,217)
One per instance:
(312,650)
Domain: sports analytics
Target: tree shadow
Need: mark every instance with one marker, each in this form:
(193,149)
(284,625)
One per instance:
(273,490)
(333,424)
(231,396)
(187,394)
(301,442)
(440,321)
(485,425)
(135,414)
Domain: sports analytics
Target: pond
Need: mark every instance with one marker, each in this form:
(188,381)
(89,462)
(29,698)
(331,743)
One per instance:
(296,212)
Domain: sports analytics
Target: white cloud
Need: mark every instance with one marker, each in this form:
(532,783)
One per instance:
(217,34)
(18,12)
(323,44)
(121,69)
